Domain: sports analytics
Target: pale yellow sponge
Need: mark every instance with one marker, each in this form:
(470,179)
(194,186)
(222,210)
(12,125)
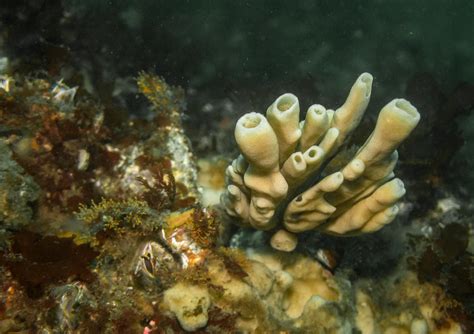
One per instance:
(189,303)
(285,180)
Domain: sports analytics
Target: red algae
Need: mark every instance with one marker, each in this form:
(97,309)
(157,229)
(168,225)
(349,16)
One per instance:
(37,261)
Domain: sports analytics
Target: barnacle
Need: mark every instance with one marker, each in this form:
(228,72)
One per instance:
(154,263)
(69,299)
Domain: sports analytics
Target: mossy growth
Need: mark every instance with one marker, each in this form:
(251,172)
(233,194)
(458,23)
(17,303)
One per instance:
(197,275)
(235,261)
(119,215)
(167,100)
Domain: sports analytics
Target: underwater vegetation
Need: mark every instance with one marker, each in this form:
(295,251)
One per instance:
(115,216)
(37,261)
(446,260)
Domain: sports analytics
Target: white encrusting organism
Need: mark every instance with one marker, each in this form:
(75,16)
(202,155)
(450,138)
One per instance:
(285,181)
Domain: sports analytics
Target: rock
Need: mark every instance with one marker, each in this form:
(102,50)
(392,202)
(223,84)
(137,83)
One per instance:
(17,191)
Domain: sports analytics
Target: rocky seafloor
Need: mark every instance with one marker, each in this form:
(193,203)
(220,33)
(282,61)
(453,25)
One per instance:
(109,215)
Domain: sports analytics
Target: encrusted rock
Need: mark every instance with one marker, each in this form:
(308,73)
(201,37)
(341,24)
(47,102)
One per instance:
(17,191)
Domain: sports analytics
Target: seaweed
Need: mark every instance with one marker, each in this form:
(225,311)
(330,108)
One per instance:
(160,192)
(446,262)
(167,101)
(204,229)
(55,143)
(117,215)
(129,321)
(37,261)
(234,261)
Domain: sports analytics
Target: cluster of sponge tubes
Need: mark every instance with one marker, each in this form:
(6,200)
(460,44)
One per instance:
(284,181)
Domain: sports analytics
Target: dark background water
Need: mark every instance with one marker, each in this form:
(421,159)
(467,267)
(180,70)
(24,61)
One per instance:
(225,45)
(222,46)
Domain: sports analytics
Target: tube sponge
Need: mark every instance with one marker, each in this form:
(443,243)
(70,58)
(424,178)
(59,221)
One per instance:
(314,126)
(285,181)
(372,212)
(257,142)
(259,146)
(395,122)
(284,117)
(348,116)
